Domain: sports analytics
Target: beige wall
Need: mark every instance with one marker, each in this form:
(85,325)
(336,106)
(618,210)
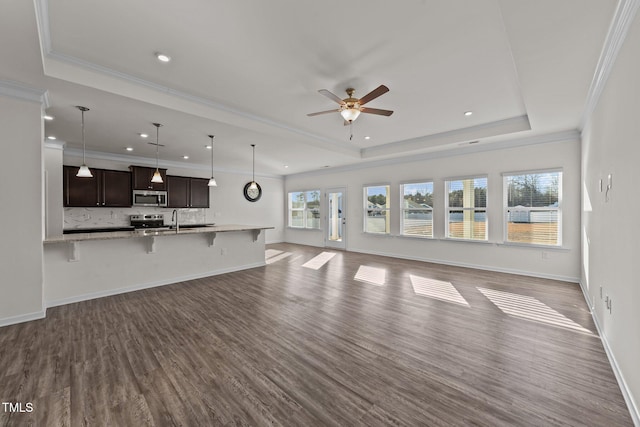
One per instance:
(562,263)
(610,222)
(21,211)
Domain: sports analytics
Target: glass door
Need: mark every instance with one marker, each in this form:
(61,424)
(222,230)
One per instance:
(336,221)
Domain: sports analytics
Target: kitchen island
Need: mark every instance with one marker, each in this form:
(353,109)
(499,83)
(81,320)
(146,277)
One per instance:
(84,266)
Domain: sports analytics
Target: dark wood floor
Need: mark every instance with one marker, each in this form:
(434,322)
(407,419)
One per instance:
(290,345)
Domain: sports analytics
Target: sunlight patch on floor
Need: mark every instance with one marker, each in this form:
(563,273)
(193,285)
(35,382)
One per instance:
(373,275)
(437,289)
(269,253)
(529,308)
(318,261)
(278,257)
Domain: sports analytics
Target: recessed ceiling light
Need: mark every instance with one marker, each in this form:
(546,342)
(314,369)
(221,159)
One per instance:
(286,166)
(185,157)
(468,113)
(367,137)
(208,147)
(129,148)
(48,117)
(163,57)
(51,137)
(143,135)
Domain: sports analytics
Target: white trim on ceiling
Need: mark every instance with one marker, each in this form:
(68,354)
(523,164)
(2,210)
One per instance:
(17,90)
(566,136)
(618,29)
(485,130)
(48,53)
(151,162)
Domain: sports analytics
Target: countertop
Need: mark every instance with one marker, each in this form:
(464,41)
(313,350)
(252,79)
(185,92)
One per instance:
(79,237)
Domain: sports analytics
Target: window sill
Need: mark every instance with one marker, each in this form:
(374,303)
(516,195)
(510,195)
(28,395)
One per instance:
(303,229)
(482,242)
(409,236)
(534,246)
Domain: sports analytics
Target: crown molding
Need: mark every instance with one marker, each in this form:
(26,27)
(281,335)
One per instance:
(17,90)
(151,162)
(618,30)
(54,145)
(564,136)
(50,57)
(485,130)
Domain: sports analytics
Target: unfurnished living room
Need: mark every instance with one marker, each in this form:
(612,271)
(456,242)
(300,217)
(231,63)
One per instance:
(293,213)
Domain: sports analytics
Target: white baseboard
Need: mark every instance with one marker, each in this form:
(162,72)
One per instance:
(101,294)
(626,393)
(467,265)
(23,318)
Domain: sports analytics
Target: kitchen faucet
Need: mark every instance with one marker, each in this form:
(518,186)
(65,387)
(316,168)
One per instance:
(174,217)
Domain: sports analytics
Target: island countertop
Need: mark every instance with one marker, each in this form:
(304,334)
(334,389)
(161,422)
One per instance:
(79,237)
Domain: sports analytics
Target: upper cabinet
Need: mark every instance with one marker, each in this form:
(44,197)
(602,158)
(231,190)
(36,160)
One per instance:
(186,192)
(141,178)
(107,188)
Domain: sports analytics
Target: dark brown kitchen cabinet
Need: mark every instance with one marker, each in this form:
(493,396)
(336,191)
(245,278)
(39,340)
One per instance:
(107,188)
(186,192)
(141,178)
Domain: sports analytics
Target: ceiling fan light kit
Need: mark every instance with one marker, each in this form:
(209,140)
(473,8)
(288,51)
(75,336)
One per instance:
(350,107)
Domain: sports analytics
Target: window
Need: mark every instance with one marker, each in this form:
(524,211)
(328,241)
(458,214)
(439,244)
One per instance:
(417,209)
(467,208)
(376,208)
(532,207)
(304,209)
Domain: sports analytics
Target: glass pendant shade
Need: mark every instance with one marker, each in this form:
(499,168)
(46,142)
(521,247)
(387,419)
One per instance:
(157,178)
(84,172)
(253,186)
(212,182)
(350,114)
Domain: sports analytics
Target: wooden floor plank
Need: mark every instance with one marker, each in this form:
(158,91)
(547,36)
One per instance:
(289,345)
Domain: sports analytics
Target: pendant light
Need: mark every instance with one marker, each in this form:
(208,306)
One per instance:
(254,184)
(212,181)
(157,178)
(84,171)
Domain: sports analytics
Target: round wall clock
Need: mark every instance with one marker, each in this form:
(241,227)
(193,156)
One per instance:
(252,194)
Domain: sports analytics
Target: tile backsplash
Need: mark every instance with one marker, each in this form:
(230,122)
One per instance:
(75,218)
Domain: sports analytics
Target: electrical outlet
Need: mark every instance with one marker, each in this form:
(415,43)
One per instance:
(224,251)
(545,255)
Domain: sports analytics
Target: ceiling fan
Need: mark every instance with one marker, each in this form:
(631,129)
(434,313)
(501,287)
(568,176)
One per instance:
(350,108)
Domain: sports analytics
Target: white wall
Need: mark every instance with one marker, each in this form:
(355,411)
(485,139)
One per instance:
(107,267)
(21,212)
(611,227)
(54,217)
(557,263)
(227,203)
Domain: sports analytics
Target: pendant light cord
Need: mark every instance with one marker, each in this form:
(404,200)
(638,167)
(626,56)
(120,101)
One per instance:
(211,136)
(253,167)
(84,146)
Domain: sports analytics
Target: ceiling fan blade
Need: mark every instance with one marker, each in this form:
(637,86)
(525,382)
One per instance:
(376,111)
(331,96)
(322,112)
(380,90)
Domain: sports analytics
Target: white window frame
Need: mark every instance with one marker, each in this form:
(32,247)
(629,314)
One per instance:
(305,210)
(403,209)
(507,208)
(448,209)
(386,210)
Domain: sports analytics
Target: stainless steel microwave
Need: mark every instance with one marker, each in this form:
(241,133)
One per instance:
(149,198)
